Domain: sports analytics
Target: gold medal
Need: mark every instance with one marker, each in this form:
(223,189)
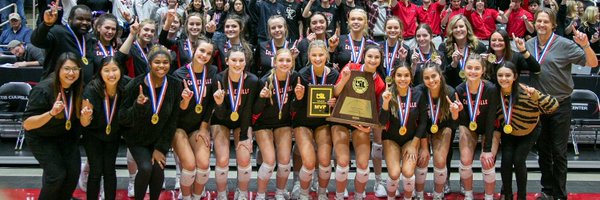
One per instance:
(434,128)
(388,80)
(462,74)
(154,119)
(279,115)
(84,60)
(402,130)
(198,108)
(434,57)
(473,126)
(68,125)
(508,129)
(234,116)
(491,58)
(108,129)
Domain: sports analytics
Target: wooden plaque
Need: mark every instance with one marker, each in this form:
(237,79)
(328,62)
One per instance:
(356,105)
(318,95)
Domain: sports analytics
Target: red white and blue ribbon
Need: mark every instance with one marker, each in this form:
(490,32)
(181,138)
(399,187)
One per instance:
(403,113)
(354,57)
(80,44)
(473,110)
(156,103)
(235,102)
(389,62)
(198,88)
(538,57)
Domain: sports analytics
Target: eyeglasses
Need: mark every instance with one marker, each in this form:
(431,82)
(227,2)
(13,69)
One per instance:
(71,69)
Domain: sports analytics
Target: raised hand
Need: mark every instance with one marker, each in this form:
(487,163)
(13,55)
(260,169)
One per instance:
(265,92)
(294,50)
(134,28)
(334,41)
(346,73)
(51,15)
(311,36)
(219,95)
(299,89)
(141,99)
(87,109)
(186,94)
(403,53)
(580,38)
(58,105)
(457,55)
(125,14)
(531,92)
(415,57)
(519,42)
(171,15)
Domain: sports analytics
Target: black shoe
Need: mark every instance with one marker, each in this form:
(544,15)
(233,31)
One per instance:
(545,196)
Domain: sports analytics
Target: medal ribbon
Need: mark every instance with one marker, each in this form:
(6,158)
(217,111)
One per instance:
(403,113)
(137,45)
(473,110)
(189,45)
(538,57)
(389,62)
(463,61)
(199,95)
(69,108)
(499,61)
(109,113)
(156,105)
(281,99)
(354,57)
(507,113)
(274,48)
(106,54)
(422,57)
(434,114)
(314,77)
(79,44)
(234,102)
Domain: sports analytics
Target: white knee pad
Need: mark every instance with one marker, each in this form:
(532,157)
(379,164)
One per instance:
(408,183)
(305,174)
(244,173)
(362,175)
(202,175)
(265,171)
(325,172)
(465,171)
(440,175)
(392,185)
(489,175)
(221,174)
(283,170)
(377,151)
(421,175)
(341,173)
(187,177)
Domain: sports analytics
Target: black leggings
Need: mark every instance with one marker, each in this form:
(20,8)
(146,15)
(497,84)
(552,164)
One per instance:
(514,154)
(101,156)
(147,174)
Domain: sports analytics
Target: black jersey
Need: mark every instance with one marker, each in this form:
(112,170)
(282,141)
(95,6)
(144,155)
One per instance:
(393,56)
(249,91)
(451,73)
(97,127)
(447,121)
(523,64)
(424,57)
(189,120)
(343,52)
(223,47)
(267,110)
(138,118)
(182,48)
(416,122)
(299,107)
(485,117)
(266,54)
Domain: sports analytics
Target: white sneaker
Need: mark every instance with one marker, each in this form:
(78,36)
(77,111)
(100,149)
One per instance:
(323,195)
(130,187)
(315,182)
(296,190)
(83,178)
(177,184)
(281,195)
(346,193)
(379,188)
(102,188)
(462,188)
(446,188)
(260,197)
(180,196)
(308,197)
(418,196)
(240,195)
(222,196)
(468,196)
(359,196)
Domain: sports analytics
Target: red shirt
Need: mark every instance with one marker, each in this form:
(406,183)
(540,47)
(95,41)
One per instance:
(408,16)
(379,84)
(515,24)
(454,12)
(431,16)
(483,25)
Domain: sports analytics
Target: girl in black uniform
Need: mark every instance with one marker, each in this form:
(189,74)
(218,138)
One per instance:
(278,32)
(353,44)
(442,109)
(192,137)
(106,36)
(404,115)
(317,30)
(310,131)
(500,52)
(424,53)
(480,98)
(151,110)
(138,63)
(460,43)
(234,92)
(193,29)
(272,122)
(52,130)
(233,28)
(103,97)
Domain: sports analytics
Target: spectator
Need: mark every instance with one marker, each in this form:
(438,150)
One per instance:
(533,7)
(27,55)
(519,20)
(326,8)
(590,25)
(430,14)
(407,13)
(20,11)
(454,9)
(484,19)
(16,32)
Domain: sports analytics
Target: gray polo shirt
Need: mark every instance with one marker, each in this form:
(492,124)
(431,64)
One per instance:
(555,70)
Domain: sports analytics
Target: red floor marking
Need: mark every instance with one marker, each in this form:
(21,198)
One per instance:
(31,194)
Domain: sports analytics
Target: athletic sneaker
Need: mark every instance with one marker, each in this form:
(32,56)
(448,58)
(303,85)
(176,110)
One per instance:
(346,193)
(322,195)
(222,195)
(379,188)
(83,177)
(359,196)
(315,182)
(446,188)
(462,188)
(418,196)
(260,197)
(281,195)
(296,190)
(240,195)
(177,184)
(180,196)
(130,187)
(307,197)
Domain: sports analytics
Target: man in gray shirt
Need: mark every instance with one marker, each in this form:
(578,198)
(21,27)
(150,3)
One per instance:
(27,55)
(556,55)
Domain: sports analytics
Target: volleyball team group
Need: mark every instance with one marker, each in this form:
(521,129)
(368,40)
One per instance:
(192,94)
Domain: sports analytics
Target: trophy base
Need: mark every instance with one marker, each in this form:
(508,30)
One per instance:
(352,122)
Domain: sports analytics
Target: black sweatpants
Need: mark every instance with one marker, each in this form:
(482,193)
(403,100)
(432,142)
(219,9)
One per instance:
(102,157)
(552,144)
(148,174)
(514,154)
(59,158)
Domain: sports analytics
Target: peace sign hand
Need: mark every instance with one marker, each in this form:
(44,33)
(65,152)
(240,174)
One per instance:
(141,99)
(531,92)
(299,89)
(51,15)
